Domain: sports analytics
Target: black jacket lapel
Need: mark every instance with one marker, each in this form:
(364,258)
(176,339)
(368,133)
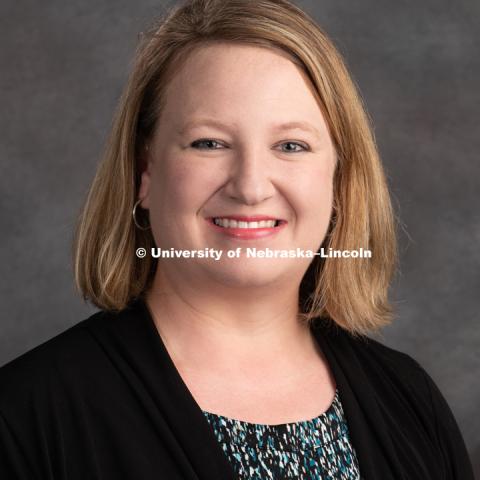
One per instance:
(134,345)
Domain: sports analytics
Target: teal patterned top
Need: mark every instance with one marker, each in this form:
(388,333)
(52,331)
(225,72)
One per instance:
(315,449)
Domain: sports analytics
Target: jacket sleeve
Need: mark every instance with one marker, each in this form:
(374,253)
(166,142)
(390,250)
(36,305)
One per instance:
(450,440)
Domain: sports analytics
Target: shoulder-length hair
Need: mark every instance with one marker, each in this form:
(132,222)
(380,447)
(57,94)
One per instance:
(352,292)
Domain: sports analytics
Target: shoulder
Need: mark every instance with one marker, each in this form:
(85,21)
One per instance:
(407,397)
(81,363)
(405,381)
(396,377)
(64,357)
(376,352)
(375,359)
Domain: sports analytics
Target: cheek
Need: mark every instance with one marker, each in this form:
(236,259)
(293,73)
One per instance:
(181,188)
(315,186)
(314,199)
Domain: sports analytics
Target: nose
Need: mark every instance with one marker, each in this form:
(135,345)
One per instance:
(250,179)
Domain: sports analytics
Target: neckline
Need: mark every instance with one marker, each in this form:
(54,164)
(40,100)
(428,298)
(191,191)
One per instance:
(295,437)
(305,423)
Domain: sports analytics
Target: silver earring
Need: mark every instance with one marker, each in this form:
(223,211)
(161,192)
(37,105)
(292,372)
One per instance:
(134,213)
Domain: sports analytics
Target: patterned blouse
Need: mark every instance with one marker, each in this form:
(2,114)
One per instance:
(315,449)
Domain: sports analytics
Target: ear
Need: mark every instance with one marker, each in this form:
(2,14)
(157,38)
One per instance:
(145,165)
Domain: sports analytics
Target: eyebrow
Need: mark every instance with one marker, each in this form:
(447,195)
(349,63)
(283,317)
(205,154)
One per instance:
(293,125)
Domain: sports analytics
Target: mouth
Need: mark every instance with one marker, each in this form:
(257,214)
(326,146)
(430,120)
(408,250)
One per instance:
(239,222)
(247,228)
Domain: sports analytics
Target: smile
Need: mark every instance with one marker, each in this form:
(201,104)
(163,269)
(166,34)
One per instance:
(247,227)
(230,223)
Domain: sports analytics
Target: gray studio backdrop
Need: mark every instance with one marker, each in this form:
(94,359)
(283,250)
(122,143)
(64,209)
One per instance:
(417,63)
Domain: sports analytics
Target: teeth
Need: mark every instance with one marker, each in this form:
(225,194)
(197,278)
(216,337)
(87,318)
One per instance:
(227,223)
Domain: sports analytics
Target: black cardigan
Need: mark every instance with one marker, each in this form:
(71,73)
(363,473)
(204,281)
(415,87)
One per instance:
(103,400)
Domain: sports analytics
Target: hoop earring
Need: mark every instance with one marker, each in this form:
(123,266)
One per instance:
(134,215)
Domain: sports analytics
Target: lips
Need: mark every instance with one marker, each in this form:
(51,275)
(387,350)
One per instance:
(247,227)
(248,219)
(251,218)
(242,221)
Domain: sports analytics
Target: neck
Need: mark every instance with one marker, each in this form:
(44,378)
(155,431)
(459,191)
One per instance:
(230,328)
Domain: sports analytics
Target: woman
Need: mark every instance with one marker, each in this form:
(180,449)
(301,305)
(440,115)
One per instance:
(240,130)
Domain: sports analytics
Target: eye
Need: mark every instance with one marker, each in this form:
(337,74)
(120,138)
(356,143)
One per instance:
(209,144)
(303,146)
(204,141)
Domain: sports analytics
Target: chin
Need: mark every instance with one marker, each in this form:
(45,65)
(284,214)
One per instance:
(250,274)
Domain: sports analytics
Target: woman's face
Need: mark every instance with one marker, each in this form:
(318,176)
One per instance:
(240,135)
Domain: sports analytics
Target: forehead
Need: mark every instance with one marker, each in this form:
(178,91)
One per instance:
(219,77)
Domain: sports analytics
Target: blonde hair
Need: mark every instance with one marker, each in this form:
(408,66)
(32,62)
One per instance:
(352,292)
